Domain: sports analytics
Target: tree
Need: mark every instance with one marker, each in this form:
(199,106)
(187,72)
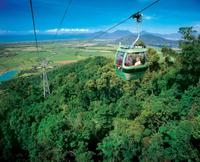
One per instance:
(189,58)
(168,52)
(187,33)
(140,43)
(153,59)
(93,115)
(122,142)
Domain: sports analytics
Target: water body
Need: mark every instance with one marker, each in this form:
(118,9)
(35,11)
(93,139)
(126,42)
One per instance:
(8,75)
(30,38)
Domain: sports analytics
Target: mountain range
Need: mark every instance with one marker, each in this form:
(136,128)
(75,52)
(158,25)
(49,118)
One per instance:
(122,33)
(149,39)
(123,36)
(154,39)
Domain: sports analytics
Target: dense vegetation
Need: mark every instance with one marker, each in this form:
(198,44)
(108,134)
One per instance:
(92,115)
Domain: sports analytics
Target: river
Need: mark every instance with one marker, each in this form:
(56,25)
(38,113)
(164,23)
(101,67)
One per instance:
(8,75)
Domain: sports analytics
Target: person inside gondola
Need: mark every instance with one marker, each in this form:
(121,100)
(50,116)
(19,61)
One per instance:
(138,61)
(119,63)
(129,60)
(119,60)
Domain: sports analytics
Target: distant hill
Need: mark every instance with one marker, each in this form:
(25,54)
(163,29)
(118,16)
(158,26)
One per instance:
(169,36)
(124,36)
(127,37)
(113,35)
(149,39)
(67,36)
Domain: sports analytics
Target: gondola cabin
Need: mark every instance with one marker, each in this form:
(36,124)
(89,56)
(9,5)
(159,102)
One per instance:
(131,63)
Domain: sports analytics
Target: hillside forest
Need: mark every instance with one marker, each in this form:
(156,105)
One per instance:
(93,115)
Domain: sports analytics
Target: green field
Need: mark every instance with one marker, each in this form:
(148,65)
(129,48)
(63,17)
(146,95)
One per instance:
(24,56)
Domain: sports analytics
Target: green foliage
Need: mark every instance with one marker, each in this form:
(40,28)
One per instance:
(122,142)
(187,33)
(153,59)
(140,43)
(169,55)
(189,58)
(92,115)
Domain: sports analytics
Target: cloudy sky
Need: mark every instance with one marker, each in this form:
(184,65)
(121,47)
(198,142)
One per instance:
(93,15)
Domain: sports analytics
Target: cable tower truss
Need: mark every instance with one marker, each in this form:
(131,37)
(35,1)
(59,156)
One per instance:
(44,64)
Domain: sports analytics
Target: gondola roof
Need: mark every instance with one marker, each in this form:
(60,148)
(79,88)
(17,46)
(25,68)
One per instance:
(132,50)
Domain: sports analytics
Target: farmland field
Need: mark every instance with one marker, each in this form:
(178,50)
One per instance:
(24,56)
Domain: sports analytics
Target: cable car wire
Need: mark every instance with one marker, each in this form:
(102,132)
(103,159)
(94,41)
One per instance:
(60,24)
(34,28)
(148,6)
(63,17)
(123,21)
(46,90)
(107,30)
(112,27)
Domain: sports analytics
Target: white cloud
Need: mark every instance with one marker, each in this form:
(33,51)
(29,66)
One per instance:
(66,30)
(5,32)
(31,31)
(197,27)
(49,31)
(13,32)
(148,17)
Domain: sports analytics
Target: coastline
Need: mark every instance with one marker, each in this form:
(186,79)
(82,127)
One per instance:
(31,41)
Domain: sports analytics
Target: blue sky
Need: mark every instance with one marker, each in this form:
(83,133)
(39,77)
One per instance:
(93,15)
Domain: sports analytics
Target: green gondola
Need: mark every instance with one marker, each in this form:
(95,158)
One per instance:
(131,61)
(125,61)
